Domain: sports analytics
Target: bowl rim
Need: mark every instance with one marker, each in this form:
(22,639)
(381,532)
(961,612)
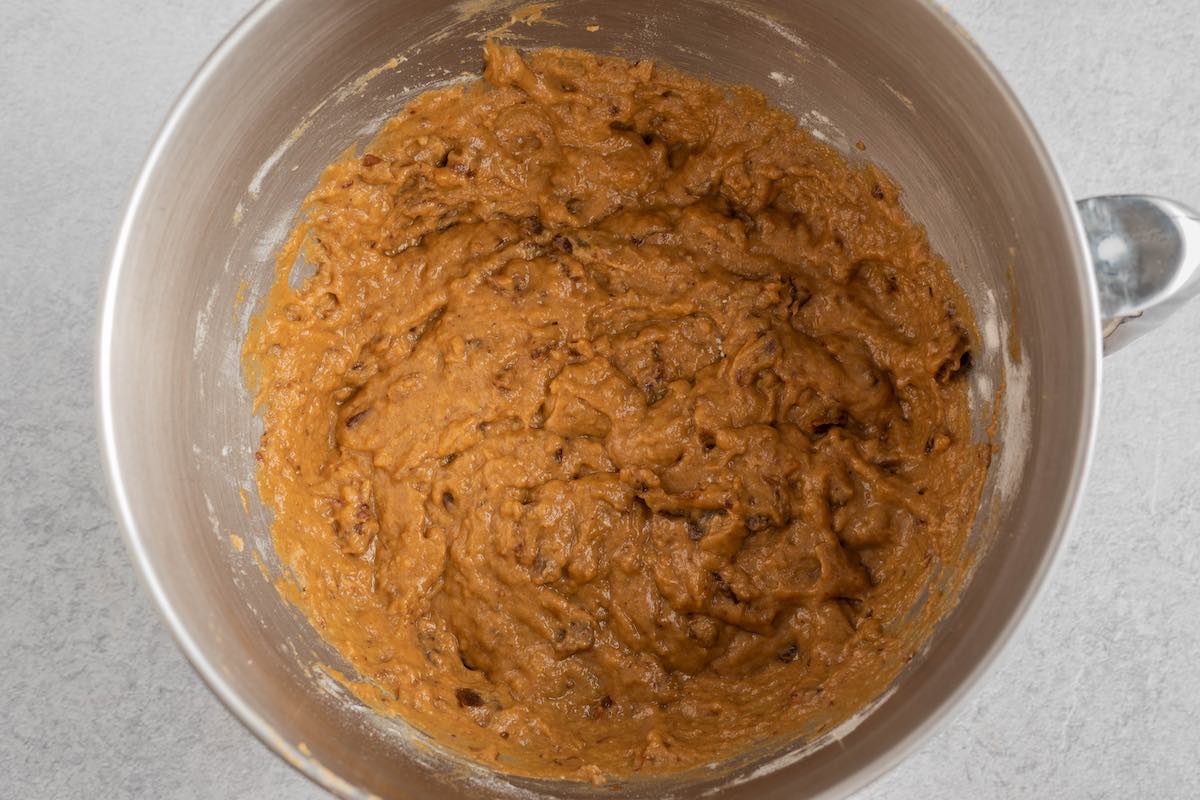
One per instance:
(246,712)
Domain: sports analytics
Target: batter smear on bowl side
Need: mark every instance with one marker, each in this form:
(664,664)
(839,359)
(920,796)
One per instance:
(621,427)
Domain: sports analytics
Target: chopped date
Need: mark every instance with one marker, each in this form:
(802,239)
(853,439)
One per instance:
(532,226)
(724,588)
(757,523)
(356,419)
(889,465)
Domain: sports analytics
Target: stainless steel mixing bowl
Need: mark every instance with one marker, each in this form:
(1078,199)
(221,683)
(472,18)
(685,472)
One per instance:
(298,80)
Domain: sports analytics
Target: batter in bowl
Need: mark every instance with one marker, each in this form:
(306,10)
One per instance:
(620,428)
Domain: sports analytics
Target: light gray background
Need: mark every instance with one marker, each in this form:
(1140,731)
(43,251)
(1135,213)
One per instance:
(1097,697)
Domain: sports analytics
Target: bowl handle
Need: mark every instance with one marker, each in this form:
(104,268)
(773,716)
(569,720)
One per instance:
(1146,257)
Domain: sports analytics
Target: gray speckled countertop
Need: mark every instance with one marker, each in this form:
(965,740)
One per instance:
(1097,696)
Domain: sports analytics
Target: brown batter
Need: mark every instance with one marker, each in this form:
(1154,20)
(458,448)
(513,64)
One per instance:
(618,429)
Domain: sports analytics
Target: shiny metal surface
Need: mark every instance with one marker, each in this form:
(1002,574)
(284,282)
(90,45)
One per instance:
(300,79)
(1146,256)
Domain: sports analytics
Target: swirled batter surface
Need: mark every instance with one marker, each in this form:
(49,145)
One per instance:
(619,428)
